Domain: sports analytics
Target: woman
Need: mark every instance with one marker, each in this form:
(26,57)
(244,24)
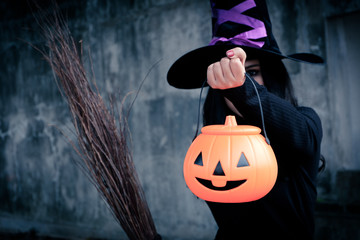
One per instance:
(287,211)
(295,135)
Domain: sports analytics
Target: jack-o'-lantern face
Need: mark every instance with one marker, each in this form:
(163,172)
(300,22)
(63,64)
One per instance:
(221,184)
(230,163)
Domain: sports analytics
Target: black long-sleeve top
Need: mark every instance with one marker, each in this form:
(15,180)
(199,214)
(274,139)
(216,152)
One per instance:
(287,211)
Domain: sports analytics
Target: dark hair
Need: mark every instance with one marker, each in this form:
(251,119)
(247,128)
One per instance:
(276,79)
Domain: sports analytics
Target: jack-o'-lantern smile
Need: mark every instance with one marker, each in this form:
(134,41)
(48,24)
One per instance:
(221,184)
(229,184)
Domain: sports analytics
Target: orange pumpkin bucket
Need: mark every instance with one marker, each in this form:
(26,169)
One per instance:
(230,164)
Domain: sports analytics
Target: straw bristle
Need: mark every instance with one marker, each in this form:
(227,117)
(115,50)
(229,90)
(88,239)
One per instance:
(103,147)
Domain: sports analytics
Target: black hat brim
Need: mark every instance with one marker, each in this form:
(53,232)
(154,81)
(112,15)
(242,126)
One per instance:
(189,71)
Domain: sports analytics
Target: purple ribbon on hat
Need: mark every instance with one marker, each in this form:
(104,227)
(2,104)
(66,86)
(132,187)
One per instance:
(235,15)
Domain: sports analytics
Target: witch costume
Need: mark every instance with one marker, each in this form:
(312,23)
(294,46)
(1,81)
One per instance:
(287,212)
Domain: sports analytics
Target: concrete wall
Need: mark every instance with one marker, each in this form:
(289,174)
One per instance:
(40,188)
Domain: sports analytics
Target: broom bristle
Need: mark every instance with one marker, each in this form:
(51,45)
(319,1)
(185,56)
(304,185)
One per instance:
(103,147)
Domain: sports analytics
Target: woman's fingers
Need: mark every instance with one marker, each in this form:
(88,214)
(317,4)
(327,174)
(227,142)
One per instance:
(211,76)
(229,72)
(226,68)
(237,69)
(237,53)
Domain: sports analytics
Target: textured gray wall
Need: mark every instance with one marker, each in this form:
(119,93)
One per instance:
(40,187)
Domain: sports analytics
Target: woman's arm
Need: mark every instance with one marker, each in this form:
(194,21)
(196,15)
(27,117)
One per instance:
(296,128)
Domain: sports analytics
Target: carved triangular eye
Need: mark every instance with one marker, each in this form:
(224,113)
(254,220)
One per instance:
(218,170)
(199,160)
(243,162)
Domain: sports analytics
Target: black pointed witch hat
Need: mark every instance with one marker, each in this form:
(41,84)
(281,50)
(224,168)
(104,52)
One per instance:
(243,23)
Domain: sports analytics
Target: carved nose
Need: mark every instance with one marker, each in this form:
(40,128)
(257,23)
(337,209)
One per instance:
(218,170)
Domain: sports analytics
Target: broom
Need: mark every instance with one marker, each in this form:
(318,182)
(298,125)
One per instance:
(102,142)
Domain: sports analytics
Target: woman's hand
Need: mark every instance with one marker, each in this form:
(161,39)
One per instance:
(229,72)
